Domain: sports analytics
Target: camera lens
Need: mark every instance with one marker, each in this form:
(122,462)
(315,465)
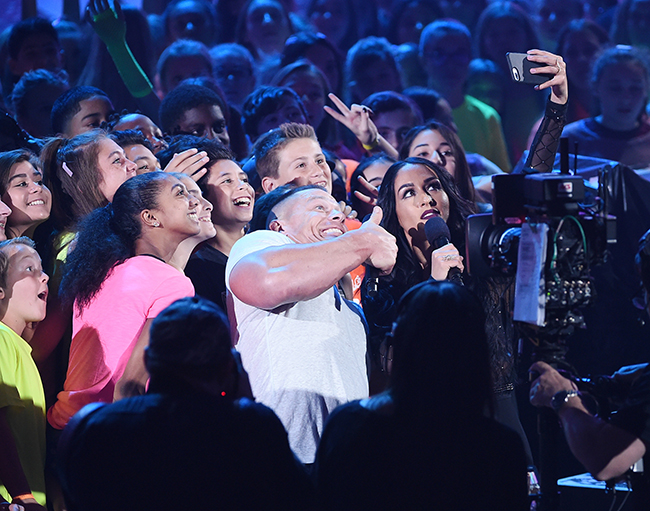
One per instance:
(515,73)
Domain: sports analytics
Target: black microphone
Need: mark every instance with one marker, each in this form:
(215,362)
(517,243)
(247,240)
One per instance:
(437,233)
(372,281)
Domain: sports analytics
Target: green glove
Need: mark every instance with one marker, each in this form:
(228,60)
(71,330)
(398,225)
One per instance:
(108,23)
(110,27)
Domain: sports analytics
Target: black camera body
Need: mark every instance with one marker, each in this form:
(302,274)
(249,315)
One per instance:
(577,237)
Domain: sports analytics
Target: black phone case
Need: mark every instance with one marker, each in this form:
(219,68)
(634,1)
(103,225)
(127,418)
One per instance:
(520,68)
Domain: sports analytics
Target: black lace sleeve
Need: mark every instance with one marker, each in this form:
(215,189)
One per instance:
(497,296)
(542,152)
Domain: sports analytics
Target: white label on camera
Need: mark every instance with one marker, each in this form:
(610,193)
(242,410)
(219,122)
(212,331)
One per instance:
(530,290)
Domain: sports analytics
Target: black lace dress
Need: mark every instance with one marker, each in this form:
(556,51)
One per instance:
(496,293)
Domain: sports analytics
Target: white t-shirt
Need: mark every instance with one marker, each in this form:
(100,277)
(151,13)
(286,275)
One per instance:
(303,359)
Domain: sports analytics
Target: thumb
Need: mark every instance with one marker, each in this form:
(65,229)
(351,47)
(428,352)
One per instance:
(377,215)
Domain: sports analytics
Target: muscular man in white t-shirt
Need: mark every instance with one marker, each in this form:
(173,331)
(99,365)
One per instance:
(302,344)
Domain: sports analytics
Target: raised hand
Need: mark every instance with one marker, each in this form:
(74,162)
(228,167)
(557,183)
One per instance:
(556,66)
(371,196)
(190,162)
(108,23)
(356,119)
(110,26)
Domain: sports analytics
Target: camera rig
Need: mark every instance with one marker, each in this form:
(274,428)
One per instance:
(545,230)
(571,237)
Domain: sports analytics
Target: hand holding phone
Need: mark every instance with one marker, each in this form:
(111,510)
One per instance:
(520,68)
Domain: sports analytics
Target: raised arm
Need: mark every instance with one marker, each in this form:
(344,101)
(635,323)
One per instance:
(542,152)
(281,275)
(190,162)
(357,120)
(108,23)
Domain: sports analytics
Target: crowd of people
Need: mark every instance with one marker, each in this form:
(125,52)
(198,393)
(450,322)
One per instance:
(215,275)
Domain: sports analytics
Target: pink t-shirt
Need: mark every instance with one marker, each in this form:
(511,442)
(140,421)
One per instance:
(106,331)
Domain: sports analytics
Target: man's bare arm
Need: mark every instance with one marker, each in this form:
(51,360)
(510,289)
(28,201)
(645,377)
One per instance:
(290,273)
(605,450)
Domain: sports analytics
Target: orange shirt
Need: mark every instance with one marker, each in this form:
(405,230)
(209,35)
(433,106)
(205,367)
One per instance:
(358,273)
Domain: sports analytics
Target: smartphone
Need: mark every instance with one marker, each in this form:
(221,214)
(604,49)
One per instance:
(520,68)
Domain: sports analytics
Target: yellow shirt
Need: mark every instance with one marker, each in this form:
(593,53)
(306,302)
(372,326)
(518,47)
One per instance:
(21,393)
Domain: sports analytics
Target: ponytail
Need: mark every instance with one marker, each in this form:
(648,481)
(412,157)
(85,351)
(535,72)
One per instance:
(107,237)
(61,215)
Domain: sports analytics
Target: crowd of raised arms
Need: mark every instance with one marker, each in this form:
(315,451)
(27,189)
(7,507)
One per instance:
(215,281)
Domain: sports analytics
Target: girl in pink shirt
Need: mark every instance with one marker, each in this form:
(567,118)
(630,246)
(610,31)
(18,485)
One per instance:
(119,279)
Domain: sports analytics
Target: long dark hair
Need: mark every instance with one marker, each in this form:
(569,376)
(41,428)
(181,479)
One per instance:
(107,237)
(434,367)
(463,177)
(407,269)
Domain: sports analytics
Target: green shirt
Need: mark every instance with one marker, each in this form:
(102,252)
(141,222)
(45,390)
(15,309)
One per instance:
(479,129)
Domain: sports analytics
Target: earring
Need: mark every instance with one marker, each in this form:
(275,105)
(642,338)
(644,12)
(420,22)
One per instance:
(156,224)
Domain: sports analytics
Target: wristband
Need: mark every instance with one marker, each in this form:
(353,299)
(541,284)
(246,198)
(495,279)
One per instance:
(23,496)
(373,145)
(561,398)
